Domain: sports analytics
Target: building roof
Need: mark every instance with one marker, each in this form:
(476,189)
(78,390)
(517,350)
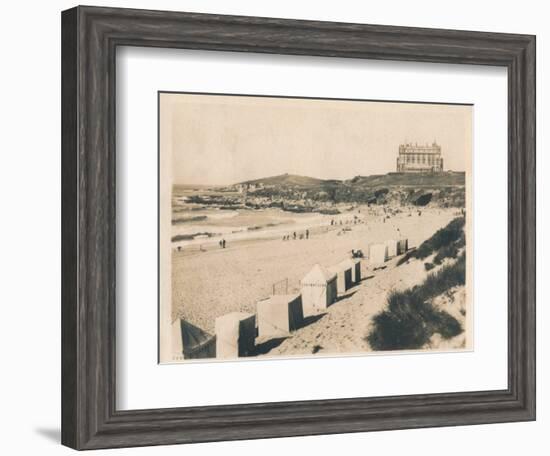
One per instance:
(235,316)
(318,274)
(418,150)
(280,299)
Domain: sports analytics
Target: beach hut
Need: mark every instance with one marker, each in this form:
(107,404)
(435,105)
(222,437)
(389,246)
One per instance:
(319,290)
(378,254)
(235,335)
(279,315)
(402,246)
(343,271)
(191,342)
(392,247)
(356,270)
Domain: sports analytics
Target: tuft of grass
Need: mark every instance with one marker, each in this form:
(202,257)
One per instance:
(441,238)
(403,325)
(446,278)
(447,325)
(450,250)
(410,318)
(445,241)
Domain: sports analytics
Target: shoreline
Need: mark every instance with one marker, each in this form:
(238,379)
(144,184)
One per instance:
(315,224)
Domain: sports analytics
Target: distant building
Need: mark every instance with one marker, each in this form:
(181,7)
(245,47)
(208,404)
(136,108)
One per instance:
(247,187)
(414,158)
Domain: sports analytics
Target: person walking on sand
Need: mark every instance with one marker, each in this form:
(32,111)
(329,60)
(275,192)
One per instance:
(223,243)
(294,235)
(307,234)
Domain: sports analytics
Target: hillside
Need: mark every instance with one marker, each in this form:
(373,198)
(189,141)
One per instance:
(290,180)
(373,181)
(409,180)
(443,190)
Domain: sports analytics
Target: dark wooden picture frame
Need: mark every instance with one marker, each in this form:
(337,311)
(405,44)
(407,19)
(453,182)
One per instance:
(90,36)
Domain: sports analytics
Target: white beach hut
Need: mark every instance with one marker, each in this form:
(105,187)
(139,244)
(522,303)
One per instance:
(392,247)
(235,335)
(278,315)
(319,290)
(378,254)
(344,278)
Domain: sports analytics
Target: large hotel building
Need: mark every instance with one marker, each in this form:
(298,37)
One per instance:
(414,158)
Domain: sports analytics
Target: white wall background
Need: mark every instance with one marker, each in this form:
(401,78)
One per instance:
(30,228)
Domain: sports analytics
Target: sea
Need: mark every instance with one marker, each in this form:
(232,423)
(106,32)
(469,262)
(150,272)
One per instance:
(200,225)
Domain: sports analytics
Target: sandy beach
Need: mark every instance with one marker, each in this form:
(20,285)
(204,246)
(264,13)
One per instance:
(208,284)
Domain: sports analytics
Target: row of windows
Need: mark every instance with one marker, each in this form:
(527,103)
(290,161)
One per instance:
(427,150)
(422,159)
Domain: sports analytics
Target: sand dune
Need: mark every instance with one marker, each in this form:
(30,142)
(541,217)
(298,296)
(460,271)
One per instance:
(342,329)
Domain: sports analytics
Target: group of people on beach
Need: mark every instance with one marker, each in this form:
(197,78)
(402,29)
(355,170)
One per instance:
(355,221)
(295,236)
(222,243)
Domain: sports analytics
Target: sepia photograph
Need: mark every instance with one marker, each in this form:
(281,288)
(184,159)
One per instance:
(307,227)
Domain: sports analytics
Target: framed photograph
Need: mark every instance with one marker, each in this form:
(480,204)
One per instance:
(281,228)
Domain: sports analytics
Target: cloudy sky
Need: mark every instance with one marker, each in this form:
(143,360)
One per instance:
(229,139)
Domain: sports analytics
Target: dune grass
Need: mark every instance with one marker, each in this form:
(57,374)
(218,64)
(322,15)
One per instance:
(410,318)
(445,241)
(439,282)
